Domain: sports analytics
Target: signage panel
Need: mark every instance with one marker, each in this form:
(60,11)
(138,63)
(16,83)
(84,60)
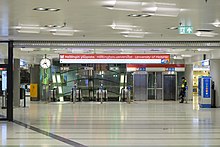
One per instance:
(33,90)
(4,80)
(115,58)
(185,29)
(206,88)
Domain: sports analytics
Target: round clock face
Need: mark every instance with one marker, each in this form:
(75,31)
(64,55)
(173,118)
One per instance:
(45,63)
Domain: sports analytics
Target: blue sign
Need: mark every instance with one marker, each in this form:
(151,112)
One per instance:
(142,69)
(164,61)
(205,63)
(199,86)
(171,69)
(206,88)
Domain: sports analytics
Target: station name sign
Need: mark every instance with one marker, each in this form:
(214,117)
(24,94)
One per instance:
(115,58)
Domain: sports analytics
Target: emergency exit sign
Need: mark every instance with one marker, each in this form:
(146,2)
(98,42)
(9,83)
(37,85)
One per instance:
(185,29)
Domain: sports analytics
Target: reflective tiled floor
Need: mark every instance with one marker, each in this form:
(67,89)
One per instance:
(152,123)
(14,135)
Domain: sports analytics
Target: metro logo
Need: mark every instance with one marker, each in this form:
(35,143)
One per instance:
(61,56)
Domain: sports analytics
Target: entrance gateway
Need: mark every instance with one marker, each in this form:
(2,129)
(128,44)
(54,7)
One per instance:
(91,44)
(113,72)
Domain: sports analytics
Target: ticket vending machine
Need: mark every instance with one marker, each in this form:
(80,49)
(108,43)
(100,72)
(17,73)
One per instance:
(205,98)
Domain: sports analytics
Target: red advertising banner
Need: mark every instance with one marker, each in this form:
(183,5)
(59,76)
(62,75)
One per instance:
(115,58)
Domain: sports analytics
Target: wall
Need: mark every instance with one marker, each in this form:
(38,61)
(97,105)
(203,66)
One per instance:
(215,74)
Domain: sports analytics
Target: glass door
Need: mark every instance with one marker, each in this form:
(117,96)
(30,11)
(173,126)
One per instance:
(155,86)
(3,93)
(159,86)
(151,85)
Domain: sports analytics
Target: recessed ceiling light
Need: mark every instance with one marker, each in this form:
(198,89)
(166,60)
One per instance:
(146,15)
(205,33)
(122,27)
(62,34)
(204,30)
(139,15)
(27,28)
(53,9)
(46,9)
(216,23)
(173,28)
(53,26)
(41,9)
(134,35)
(134,15)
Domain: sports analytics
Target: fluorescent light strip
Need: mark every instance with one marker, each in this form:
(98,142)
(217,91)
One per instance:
(134,36)
(205,34)
(29,31)
(122,27)
(216,24)
(135,32)
(62,34)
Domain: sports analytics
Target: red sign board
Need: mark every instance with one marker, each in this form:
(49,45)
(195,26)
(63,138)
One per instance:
(115,58)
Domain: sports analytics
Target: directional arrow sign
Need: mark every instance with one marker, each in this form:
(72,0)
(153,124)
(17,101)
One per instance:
(185,29)
(189,30)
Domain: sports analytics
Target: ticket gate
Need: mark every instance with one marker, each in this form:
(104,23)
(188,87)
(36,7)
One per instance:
(101,95)
(4,100)
(126,95)
(76,95)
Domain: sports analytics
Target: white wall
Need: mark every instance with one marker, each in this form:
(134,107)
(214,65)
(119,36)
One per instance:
(215,74)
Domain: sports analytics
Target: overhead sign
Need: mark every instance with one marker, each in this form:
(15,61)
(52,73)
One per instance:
(185,29)
(115,58)
(205,63)
(155,67)
(171,69)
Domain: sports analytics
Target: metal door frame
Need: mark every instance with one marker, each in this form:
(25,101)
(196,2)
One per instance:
(155,83)
(9,67)
(141,73)
(165,73)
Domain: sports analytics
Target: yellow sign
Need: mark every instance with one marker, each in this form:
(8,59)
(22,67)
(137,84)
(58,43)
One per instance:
(33,90)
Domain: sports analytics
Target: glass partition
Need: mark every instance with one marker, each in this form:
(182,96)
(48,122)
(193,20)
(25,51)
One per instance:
(3,79)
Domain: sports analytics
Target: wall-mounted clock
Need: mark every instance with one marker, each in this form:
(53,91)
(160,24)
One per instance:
(45,63)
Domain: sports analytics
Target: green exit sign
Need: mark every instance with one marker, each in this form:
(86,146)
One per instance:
(185,29)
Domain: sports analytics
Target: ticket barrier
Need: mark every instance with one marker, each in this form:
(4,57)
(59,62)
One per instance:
(76,95)
(126,95)
(101,95)
(23,95)
(53,95)
(4,100)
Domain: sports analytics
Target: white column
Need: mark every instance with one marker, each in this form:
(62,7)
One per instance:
(189,79)
(215,74)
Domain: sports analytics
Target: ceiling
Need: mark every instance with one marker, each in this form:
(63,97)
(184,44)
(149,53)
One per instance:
(91,20)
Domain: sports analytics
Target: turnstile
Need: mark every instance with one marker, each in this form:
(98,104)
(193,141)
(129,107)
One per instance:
(170,87)
(4,100)
(126,95)
(76,95)
(101,95)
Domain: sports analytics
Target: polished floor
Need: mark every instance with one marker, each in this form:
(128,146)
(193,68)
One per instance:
(140,124)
